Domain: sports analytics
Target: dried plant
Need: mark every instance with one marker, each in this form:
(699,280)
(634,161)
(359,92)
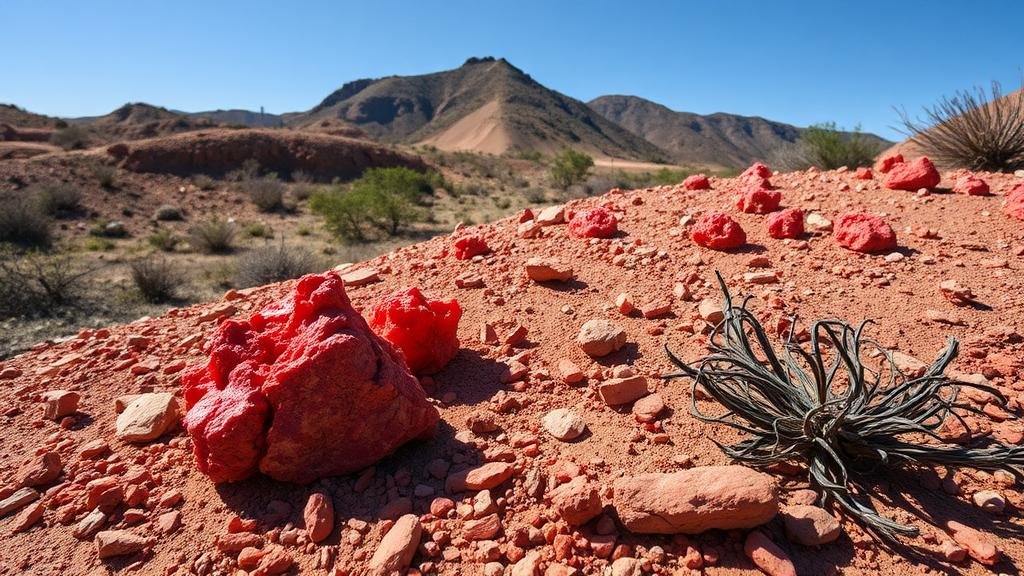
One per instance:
(832,412)
(972,131)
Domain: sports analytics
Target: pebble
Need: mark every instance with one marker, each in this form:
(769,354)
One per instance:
(360,277)
(483,477)
(978,544)
(60,403)
(810,525)
(564,424)
(110,543)
(551,215)
(627,567)
(569,371)
(767,555)
(18,500)
(548,270)
(624,303)
(148,417)
(482,529)
(577,501)
(89,525)
(647,408)
(617,391)
(28,517)
(989,501)
(318,516)
(40,470)
(600,337)
(396,549)
(710,309)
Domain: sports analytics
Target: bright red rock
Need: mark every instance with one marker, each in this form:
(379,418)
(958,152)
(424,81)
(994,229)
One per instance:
(718,231)
(301,390)
(758,200)
(913,175)
(889,161)
(757,169)
(971,185)
(1014,207)
(862,232)
(468,245)
(864,174)
(422,328)
(788,223)
(593,223)
(696,182)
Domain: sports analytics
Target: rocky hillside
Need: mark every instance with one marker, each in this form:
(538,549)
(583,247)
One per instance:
(486,105)
(716,140)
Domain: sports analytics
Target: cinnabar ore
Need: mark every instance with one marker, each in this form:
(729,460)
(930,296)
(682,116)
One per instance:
(718,231)
(593,223)
(425,330)
(468,245)
(788,223)
(758,200)
(301,390)
(696,182)
(863,232)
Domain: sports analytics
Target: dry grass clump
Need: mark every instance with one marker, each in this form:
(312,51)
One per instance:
(155,279)
(214,236)
(274,263)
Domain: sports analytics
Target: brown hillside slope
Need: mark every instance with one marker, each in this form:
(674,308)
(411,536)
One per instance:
(218,151)
(716,140)
(484,105)
(187,516)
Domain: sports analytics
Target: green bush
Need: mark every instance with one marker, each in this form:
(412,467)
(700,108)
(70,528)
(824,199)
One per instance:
(58,199)
(155,279)
(258,230)
(828,148)
(22,221)
(214,236)
(164,240)
(105,174)
(71,138)
(383,199)
(270,264)
(266,193)
(569,167)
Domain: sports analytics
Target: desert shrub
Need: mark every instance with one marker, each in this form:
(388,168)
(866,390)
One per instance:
(164,240)
(304,230)
(71,138)
(971,130)
(569,167)
(58,199)
(35,284)
(273,263)
(301,192)
(204,182)
(105,175)
(385,199)
(827,147)
(248,170)
(530,155)
(22,221)
(301,177)
(166,213)
(155,279)
(535,196)
(502,202)
(258,230)
(103,228)
(266,193)
(214,236)
(95,244)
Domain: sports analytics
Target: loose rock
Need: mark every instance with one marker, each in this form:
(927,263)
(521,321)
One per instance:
(548,270)
(564,424)
(112,543)
(810,525)
(767,555)
(601,337)
(148,417)
(397,548)
(319,516)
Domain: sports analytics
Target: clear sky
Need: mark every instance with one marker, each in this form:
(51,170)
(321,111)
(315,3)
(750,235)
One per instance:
(798,61)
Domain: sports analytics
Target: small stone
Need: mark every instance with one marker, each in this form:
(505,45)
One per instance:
(577,501)
(148,417)
(624,303)
(28,517)
(978,544)
(112,543)
(60,403)
(40,470)
(169,522)
(360,277)
(767,555)
(548,270)
(564,424)
(710,309)
(90,525)
(616,391)
(569,371)
(481,422)
(647,408)
(551,215)
(955,293)
(627,567)
(93,448)
(652,310)
(760,278)
(482,529)
(818,223)
(484,504)
(810,525)
(990,501)
(318,516)
(601,337)
(396,549)
(483,477)
(18,500)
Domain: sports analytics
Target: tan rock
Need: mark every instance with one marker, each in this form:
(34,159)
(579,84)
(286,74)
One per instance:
(601,337)
(564,424)
(577,501)
(396,549)
(483,477)
(148,417)
(60,403)
(767,555)
(551,215)
(810,525)
(110,543)
(710,309)
(548,270)
(616,391)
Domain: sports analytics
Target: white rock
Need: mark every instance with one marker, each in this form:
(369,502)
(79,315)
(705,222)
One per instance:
(564,424)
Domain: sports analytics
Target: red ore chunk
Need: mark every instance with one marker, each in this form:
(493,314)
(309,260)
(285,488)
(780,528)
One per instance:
(863,174)
(889,161)
(468,245)
(788,223)
(1014,207)
(593,223)
(301,390)
(718,231)
(759,169)
(971,185)
(862,232)
(423,329)
(758,200)
(696,182)
(913,175)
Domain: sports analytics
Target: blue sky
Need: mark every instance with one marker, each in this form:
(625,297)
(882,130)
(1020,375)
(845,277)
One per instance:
(799,61)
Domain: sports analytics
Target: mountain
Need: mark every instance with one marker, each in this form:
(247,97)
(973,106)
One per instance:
(237,117)
(15,116)
(486,105)
(717,140)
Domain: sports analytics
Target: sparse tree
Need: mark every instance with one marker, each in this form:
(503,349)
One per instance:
(570,167)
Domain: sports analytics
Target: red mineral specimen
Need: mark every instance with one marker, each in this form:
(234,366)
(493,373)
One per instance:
(757,169)
(971,185)
(862,232)
(787,223)
(301,390)
(696,182)
(593,223)
(888,162)
(913,175)
(425,330)
(864,174)
(1014,207)
(718,231)
(468,245)
(758,200)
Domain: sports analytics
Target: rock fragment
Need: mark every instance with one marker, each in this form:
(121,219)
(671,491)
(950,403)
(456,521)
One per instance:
(577,501)
(564,424)
(148,417)
(110,543)
(396,549)
(318,516)
(617,391)
(548,270)
(810,525)
(60,403)
(18,500)
(600,337)
(767,555)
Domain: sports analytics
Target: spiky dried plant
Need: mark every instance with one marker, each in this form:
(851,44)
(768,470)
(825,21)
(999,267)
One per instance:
(832,412)
(972,131)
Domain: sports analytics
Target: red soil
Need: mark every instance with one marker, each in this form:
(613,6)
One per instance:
(501,392)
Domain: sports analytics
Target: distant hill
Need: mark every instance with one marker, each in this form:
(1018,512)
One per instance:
(486,105)
(15,116)
(138,120)
(237,117)
(716,140)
